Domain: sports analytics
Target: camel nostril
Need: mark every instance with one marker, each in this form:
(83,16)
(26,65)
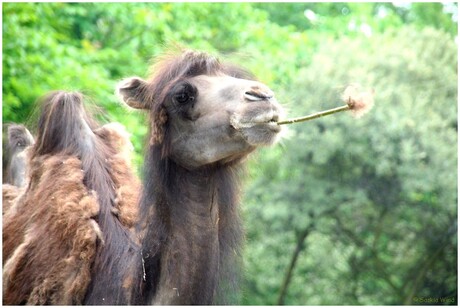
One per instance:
(257,95)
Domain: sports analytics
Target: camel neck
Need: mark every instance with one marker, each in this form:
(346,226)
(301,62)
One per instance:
(192,193)
(193,234)
(190,256)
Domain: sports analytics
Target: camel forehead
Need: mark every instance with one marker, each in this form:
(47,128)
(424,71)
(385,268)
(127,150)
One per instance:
(224,86)
(216,80)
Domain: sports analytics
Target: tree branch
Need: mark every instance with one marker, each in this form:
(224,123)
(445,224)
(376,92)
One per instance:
(301,237)
(427,264)
(379,266)
(288,276)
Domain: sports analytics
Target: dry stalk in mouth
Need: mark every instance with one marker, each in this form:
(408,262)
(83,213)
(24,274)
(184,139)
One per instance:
(357,102)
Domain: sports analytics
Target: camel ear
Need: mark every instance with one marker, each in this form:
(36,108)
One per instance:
(131,92)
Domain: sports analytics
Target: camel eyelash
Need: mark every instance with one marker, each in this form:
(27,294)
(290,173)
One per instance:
(184,94)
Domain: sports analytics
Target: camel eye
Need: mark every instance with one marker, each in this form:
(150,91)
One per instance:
(182,98)
(185,95)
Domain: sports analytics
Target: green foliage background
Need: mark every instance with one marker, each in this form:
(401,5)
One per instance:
(342,211)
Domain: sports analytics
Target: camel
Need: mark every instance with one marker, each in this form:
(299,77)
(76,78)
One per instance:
(175,240)
(16,150)
(79,174)
(19,139)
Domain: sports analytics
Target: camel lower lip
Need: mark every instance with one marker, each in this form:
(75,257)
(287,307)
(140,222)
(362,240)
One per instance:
(272,125)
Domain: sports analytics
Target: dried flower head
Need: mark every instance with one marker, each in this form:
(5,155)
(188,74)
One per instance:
(359,102)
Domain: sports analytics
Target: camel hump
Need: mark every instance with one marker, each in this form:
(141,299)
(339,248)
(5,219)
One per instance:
(64,124)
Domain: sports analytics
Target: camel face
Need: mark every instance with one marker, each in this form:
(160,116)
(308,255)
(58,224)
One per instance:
(219,119)
(19,142)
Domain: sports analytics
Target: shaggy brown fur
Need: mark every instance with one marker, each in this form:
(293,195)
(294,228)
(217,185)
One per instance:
(127,184)
(9,194)
(52,233)
(51,264)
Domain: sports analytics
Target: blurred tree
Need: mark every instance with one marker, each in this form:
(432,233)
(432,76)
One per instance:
(374,199)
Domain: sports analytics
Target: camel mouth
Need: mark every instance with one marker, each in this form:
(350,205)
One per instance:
(268,120)
(258,130)
(271,125)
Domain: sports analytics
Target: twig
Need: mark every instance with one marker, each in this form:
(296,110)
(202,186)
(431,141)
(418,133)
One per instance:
(315,115)
(357,102)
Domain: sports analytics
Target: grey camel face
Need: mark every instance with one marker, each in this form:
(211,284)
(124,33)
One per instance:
(214,119)
(19,141)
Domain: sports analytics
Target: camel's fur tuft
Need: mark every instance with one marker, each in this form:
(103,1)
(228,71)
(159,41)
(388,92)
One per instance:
(51,265)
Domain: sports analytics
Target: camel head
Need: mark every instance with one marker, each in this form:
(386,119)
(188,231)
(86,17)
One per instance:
(204,111)
(20,141)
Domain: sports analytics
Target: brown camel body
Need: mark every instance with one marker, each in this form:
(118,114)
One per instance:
(205,118)
(78,175)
